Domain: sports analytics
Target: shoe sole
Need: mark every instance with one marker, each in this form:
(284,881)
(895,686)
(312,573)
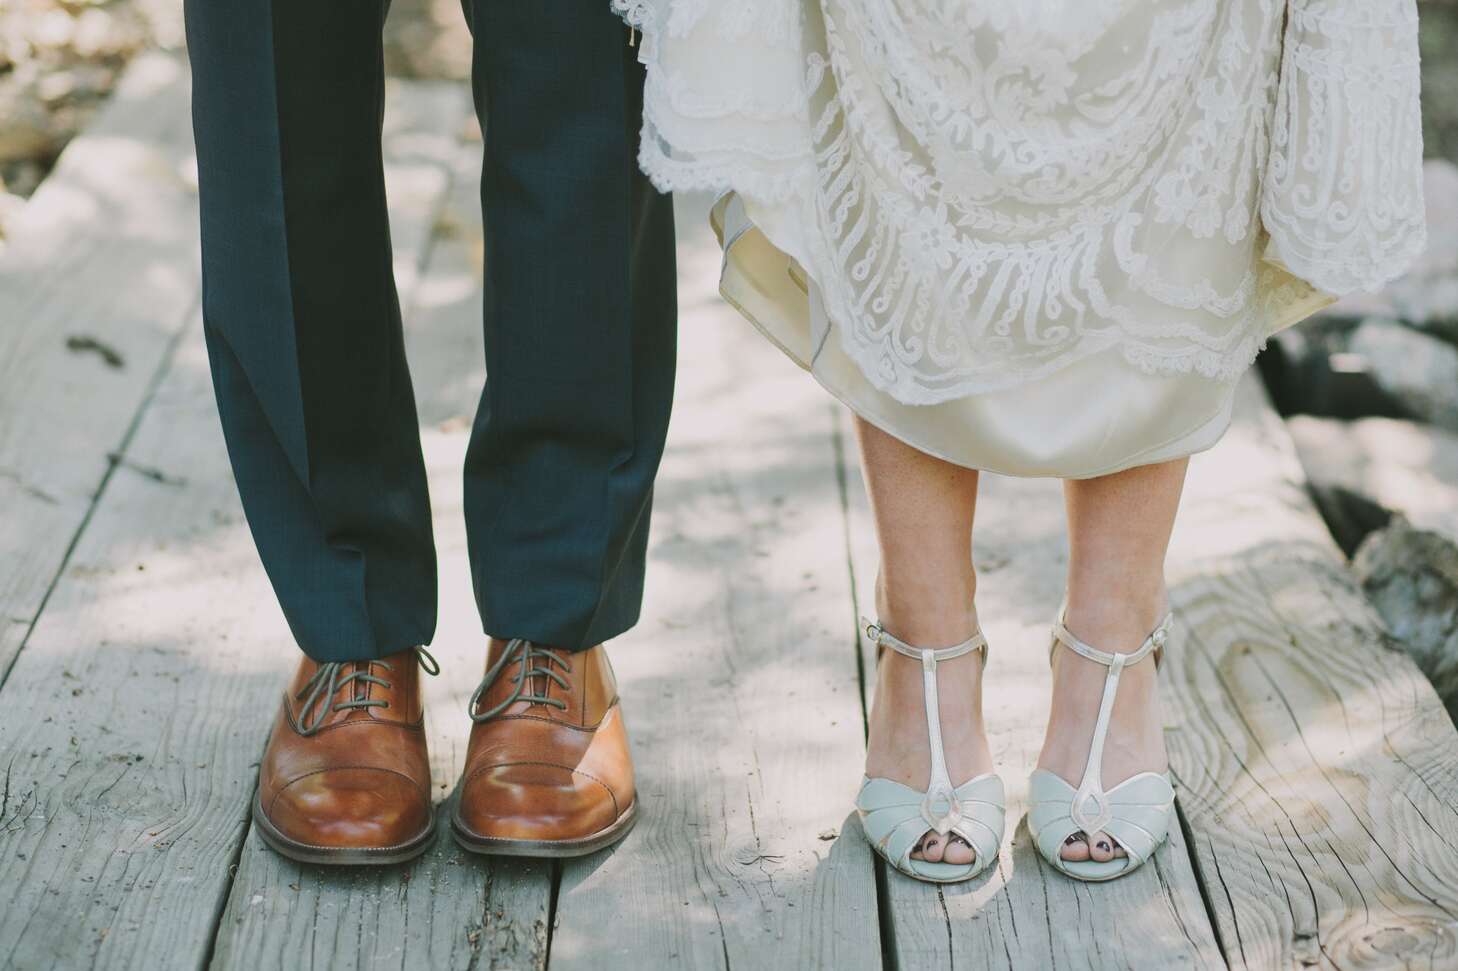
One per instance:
(341,855)
(545,849)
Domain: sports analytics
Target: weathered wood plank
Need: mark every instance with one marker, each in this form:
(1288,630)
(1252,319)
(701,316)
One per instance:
(449,909)
(132,721)
(739,685)
(96,282)
(1024,914)
(1318,771)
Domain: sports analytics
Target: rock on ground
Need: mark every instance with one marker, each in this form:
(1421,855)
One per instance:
(1309,369)
(1411,576)
(1394,466)
(1417,369)
(1389,490)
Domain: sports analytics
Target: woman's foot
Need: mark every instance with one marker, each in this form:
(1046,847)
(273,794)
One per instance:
(1135,740)
(898,748)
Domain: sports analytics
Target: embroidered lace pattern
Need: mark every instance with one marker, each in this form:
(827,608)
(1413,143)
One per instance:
(987,192)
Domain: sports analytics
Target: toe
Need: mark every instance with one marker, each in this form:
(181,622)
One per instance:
(1101,848)
(1075,848)
(917,850)
(958,851)
(933,848)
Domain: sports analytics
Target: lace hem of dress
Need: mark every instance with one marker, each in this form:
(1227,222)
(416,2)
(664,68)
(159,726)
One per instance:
(953,269)
(912,388)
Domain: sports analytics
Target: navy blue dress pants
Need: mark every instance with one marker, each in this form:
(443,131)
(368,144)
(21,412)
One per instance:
(304,333)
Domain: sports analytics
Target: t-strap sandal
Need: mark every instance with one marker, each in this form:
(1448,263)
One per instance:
(1136,812)
(895,816)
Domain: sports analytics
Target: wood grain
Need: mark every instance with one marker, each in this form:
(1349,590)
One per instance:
(739,684)
(1317,769)
(132,722)
(448,909)
(96,282)
(1024,914)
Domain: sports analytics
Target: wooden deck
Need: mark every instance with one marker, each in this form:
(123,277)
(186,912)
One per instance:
(141,656)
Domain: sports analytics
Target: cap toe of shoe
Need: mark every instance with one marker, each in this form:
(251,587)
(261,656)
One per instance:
(535,801)
(361,808)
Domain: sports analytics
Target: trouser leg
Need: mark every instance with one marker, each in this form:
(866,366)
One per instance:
(580,325)
(302,319)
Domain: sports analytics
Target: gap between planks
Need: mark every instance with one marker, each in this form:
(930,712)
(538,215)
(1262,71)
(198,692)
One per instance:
(159,657)
(1264,616)
(1316,771)
(1023,914)
(739,684)
(446,909)
(78,362)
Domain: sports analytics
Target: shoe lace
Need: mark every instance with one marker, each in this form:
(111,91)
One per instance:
(327,682)
(523,653)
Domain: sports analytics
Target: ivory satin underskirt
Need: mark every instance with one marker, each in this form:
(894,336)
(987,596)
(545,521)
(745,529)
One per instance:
(1094,417)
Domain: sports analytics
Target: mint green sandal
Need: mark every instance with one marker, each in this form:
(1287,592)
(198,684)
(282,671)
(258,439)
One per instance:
(895,816)
(1136,812)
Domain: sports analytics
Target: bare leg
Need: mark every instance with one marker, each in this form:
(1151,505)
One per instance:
(923,509)
(1118,529)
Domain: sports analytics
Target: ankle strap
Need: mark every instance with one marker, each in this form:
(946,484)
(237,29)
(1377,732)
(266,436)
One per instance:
(884,638)
(1153,644)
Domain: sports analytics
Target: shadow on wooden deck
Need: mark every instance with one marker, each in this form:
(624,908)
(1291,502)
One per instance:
(141,654)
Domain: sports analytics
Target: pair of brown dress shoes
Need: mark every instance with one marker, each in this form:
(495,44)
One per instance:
(346,776)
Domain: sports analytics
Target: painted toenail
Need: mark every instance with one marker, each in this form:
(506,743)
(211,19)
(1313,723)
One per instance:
(1104,846)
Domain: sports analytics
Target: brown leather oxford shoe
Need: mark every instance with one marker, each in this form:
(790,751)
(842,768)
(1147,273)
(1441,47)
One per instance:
(346,776)
(548,771)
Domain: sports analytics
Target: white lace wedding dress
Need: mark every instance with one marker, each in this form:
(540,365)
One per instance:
(1039,237)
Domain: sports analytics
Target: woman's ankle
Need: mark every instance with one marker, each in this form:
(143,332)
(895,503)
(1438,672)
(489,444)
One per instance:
(1119,622)
(925,617)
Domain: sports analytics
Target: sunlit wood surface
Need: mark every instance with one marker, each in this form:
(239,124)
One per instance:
(141,656)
